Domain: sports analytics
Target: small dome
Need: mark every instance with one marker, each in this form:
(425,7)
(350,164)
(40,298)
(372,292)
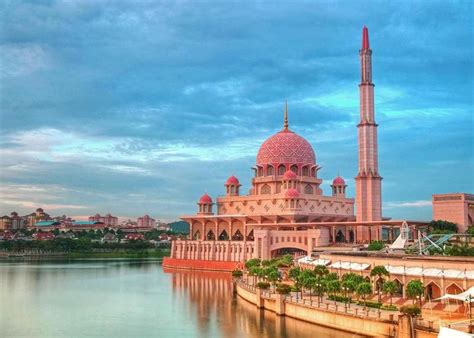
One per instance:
(205,199)
(289,175)
(338,181)
(292,193)
(232,181)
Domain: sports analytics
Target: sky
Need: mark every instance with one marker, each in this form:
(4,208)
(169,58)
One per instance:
(139,107)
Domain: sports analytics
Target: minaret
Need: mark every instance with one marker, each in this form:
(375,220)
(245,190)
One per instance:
(368,180)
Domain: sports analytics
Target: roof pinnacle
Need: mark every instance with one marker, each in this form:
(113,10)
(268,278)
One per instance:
(285,120)
(365,38)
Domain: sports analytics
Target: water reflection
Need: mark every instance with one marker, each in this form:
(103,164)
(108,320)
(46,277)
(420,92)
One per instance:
(129,298)
(210,296)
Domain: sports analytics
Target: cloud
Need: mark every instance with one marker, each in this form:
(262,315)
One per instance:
(414,204)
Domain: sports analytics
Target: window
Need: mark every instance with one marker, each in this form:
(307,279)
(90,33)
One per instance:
(265,190)
(269,170)
(294,168)
(308,189)
(281,169)
(305,171)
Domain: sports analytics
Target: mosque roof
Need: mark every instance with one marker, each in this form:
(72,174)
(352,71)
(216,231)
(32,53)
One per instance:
(338,181)
(232,180)
(285,147)
(292,193)
(205,199)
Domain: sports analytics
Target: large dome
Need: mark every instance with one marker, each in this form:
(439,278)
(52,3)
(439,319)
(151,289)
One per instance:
(286,147)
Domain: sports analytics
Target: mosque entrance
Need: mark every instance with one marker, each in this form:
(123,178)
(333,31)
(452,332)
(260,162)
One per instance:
(340,237)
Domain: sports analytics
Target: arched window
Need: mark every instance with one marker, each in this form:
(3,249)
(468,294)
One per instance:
(223,236)
(294,168)
(305,171)
(269,170)
(281,169)
(232,189)
(197,235)
(250,236)
(237,236)
(210,236)
(265,190)
(308,189)
(260,171)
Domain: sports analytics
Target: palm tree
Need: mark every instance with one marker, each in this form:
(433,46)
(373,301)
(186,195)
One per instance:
(321,270)
(415,289)
(364,289)
(390,287)
(333,286)
(379,271)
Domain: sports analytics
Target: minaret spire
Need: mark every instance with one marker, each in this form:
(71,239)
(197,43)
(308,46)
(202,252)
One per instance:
(285,119)
(368,180)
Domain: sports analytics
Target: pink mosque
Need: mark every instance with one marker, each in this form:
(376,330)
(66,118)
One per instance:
(285,208)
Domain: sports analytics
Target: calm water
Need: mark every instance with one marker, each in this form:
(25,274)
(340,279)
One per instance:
(123,298)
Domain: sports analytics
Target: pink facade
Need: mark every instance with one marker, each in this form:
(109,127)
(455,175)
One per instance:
(285,207)
(146,221)
(457,208)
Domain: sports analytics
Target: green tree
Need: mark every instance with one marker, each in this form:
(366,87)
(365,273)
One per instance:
(333,286)
(442,227)
(390,287)
(379,272)
(252,262)
(415,289)
(363,290)
(321,270)
(375,246)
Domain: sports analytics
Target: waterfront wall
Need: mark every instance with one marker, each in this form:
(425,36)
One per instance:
(374,327)
(191,264)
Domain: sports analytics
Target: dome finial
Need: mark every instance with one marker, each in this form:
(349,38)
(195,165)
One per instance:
(285,120)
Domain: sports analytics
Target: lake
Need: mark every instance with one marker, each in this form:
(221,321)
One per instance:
(131,298)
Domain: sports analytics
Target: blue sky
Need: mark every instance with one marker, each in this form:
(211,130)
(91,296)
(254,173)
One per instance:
(134,107)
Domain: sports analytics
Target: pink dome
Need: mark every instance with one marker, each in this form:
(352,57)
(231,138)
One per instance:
(292,193)
(232,181)
(286,147)
(289,175)
(205,199)
(338,181)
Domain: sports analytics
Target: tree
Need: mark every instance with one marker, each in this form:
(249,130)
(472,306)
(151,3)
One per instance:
(442,227)
(415,289)
(321,270)
(390,287)
(364,289)
(252,262)
(379,271)
(333,286)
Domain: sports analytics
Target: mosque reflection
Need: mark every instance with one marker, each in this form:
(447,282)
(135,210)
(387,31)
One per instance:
(219,313)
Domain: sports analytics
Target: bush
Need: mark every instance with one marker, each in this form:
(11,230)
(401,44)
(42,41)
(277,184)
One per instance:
(389,307)
(295,288)
(410,310)
(375,305)
(263,285)
(237,273)
(340,298)
(283,289)
(375,246)
(442,227)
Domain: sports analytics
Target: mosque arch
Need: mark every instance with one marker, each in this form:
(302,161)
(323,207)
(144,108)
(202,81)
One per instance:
(351,236)
(305,171)
(197,235)
(308,189)
(210,236)
(454,289)
(399,288)
(223,236)
(340,238)
(265,190)
(250,236)
(294,168)
(281,169)
(432,290)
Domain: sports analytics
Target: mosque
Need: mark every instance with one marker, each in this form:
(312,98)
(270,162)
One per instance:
(285,208)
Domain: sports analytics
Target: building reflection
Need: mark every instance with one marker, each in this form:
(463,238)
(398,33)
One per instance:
(219,313)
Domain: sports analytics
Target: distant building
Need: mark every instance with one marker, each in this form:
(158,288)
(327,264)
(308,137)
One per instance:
(146,221)
(17,222)
(38,216)
(5,223)
(457,208)
(108,220)
(43,236)
(134,236)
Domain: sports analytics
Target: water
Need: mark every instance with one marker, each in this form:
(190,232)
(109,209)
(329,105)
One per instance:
(126,298)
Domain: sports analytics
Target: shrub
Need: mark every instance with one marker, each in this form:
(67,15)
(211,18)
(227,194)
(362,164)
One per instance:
(410,310)
(283,289)
(442,227)
(237,273)
(340,298)
(389,307)
(375,305)
(295,288)
(375,246)
(263,285)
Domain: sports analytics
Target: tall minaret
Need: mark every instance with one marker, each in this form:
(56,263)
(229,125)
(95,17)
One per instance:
(368,180)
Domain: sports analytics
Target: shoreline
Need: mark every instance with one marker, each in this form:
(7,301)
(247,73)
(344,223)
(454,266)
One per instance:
(155,254)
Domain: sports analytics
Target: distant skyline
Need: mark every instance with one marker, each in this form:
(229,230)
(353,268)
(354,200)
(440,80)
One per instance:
(134,108)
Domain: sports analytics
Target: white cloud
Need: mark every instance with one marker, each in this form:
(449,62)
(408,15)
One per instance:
(413,204)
